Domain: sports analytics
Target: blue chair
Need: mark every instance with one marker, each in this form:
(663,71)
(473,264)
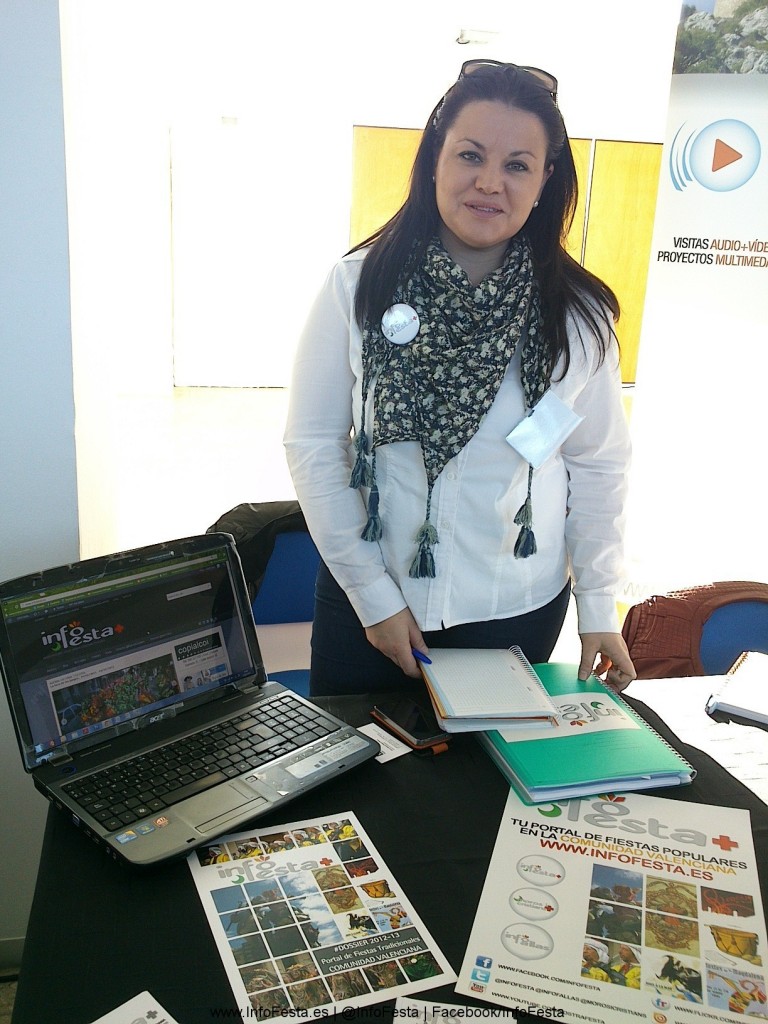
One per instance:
(287,595)
(731,629)
(280,564)
(287,590)
(698,631)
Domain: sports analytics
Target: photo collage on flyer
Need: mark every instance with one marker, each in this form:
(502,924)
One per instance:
(308,916)
(678,939)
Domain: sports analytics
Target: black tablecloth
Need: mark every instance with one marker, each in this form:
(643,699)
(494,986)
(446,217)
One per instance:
(100,933)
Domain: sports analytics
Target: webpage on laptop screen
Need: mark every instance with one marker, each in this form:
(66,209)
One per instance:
(91,657)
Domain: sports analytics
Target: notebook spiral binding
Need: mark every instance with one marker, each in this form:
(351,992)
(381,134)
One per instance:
(643,724)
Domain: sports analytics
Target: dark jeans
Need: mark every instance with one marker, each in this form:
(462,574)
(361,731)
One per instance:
(344,662)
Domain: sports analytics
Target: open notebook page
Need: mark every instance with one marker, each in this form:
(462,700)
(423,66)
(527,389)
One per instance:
(493,683)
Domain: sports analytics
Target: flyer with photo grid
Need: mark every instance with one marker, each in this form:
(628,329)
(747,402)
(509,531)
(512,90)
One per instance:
(622,908)
(308,919)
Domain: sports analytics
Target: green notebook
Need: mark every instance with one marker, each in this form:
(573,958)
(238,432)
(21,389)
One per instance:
(600,746)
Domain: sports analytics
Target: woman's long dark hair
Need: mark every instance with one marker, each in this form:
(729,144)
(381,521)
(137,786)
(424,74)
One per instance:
(564,285)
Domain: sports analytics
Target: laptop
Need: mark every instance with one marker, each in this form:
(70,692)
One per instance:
(141,704)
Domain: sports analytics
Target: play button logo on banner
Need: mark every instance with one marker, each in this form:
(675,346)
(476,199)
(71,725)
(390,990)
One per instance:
(724,155)
(721,157)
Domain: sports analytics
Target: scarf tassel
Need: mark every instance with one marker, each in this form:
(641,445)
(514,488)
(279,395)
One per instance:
(423,565)
(372,530)
(362,474)
(526,541)
(524,515)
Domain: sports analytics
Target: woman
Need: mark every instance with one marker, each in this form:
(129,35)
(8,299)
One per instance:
(431,341)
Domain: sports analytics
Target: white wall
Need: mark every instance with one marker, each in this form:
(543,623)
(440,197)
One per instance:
(146,80)
(38,503)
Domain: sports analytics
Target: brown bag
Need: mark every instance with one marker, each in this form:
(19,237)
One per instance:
(663,633)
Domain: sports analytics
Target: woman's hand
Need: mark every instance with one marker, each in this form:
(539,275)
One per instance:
(396,637)
(615,662)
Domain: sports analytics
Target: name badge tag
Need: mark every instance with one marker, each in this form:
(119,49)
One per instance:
(540,434)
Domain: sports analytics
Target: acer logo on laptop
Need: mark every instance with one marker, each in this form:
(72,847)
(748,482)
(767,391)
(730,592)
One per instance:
(73,634)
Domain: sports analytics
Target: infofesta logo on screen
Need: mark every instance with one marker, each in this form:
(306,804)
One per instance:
(720,157)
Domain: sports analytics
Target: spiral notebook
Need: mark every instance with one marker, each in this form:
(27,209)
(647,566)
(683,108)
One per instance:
(473,690)
(744,692)
(600,746)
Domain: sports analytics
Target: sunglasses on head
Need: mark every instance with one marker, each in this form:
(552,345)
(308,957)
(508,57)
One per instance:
(549,82)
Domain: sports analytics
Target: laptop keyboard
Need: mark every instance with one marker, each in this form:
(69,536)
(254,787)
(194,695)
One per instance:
(124,793)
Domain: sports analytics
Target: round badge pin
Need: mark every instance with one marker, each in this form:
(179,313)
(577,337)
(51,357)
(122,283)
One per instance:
(400,323)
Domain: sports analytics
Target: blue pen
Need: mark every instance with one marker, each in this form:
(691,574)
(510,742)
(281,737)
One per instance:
(420,657)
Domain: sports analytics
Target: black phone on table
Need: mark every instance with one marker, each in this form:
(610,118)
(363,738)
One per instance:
(411,722)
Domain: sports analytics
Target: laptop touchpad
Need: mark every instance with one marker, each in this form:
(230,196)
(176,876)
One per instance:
(207,809)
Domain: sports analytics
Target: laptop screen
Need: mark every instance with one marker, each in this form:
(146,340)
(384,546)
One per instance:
(94,648)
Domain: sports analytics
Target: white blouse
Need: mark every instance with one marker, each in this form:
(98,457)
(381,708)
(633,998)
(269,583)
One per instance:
(578,493)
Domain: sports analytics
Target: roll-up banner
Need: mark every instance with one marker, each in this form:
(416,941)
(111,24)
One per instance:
(698,507)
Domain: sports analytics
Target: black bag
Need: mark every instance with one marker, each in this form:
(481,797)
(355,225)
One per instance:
(255,526)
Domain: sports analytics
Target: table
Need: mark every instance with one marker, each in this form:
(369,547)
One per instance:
(739,745)
(100,933)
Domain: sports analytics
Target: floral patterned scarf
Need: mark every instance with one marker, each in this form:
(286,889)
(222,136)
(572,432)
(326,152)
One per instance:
(437,389)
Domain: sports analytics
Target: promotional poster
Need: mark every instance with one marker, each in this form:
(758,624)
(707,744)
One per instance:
(142,1009)
(621,908)
(702,361)
(308,919)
